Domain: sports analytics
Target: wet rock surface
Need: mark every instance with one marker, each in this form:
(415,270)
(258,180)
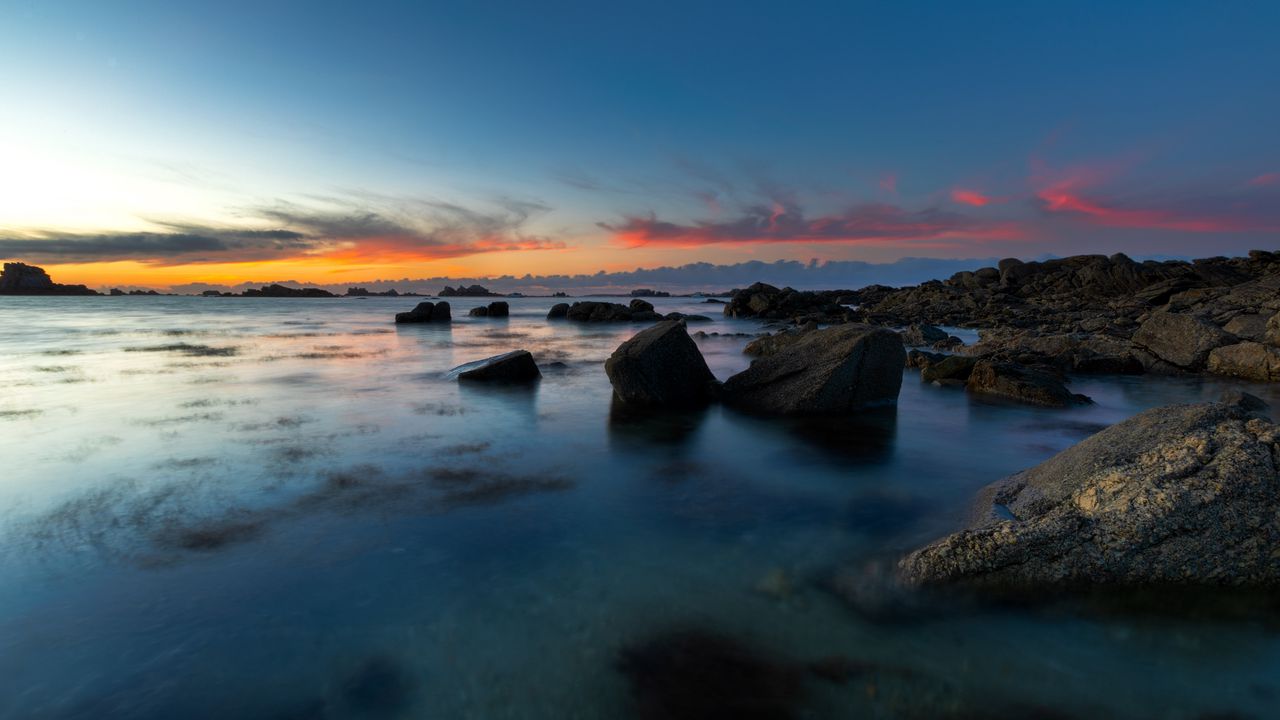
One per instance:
(516,366)
(823,372)
(1178,495)
(661,367)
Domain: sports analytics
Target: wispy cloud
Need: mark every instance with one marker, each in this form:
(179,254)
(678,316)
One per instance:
(364,227)
(869,224)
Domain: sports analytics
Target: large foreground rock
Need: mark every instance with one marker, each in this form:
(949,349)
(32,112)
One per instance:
(824,372)
(1184,494)
(660,367)
(427,312)
(516,366)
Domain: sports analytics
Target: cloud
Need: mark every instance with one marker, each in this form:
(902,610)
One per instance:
(1086,193)
(971,197)
(366,228)
(869,224)
(1265,180)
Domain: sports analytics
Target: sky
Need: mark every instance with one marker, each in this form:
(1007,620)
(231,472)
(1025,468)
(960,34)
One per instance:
(163,144)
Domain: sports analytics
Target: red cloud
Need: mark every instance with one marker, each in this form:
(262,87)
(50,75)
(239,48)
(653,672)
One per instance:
(1266,179)
(863,225)
(970,197)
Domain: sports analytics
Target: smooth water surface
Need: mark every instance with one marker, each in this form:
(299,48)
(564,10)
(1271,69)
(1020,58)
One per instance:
(280,508)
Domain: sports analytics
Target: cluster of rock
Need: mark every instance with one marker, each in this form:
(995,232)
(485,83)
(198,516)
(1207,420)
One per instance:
(834,371)
(1097,314)
(468,291)
(365,292)
(768,302)
(648,292)
(22,279)
(427,312)
(1178,495)
(595,311)
(282,291)
(497,308)
(117,292)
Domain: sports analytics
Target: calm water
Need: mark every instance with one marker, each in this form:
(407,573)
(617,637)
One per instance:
(279,508)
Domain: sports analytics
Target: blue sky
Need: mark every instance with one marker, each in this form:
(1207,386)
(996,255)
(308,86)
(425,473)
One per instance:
(383,139)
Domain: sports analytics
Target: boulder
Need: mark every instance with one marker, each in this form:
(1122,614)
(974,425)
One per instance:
(1181,340)
(513,367)
(426,312)
(481,311)
(559,310)
(922,359)
(593,311)
(824,372)
(1248,326)
(1248,360)
(660,367)
(953,369)
(493,309)
(1177,495)
(1272,334)
(1019,382)
(638,305)
(920,335)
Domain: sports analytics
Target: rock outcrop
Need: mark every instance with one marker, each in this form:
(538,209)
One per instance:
(596,311)
(768,302)
(468,291)
(283,291)
(661,367)
(1179,340)
(516,366)
(22,279)
(1184,494)
(427,312)
(832,371)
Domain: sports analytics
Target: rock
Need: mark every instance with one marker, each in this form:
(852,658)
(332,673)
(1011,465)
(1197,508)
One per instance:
(923,359)
(638,305)
(1021,383)
(832,371)
(22,279)
(1179,339)
(1249,326)
(426,312)
(686,318)
(920,335)
(559,310)
(660,367)
(513,367)
(1272,335)
(592,311)
(282,291)
(952,369)
(493,309)
(469,291)
(772,343)
(1248,360)
(1177,495)
(766,301)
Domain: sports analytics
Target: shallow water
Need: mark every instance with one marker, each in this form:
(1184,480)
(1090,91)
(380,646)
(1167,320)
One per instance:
(280,508)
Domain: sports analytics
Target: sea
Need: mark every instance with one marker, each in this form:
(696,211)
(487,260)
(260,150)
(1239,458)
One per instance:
(282,508)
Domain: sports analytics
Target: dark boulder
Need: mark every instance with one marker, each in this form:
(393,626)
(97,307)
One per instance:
(953,369)
(638,305)
(1178,495)
(426,312)
(1019,382)
(921,335)
(557,311)
(824,372)
(493,309)
(660,367)
(480,311)
(513,367)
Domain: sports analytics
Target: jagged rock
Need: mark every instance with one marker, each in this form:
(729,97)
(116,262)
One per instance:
(282,291)
(1177,495)
(596,311)
(921,335)
(766,301)
(1181,340)
(1248,360)
(660,367)
(1021,383)
(22,279)
(832,371)
(513,367)
(559,310)
(469,291)
(426,312)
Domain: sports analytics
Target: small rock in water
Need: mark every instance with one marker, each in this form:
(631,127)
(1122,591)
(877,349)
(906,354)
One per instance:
(513,367)
(426,312)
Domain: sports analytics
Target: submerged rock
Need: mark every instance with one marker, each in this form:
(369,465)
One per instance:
(513,367)
(660,367)
(1018,382)
(824,372)
(426,312)
(705,676)
(1177,495)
